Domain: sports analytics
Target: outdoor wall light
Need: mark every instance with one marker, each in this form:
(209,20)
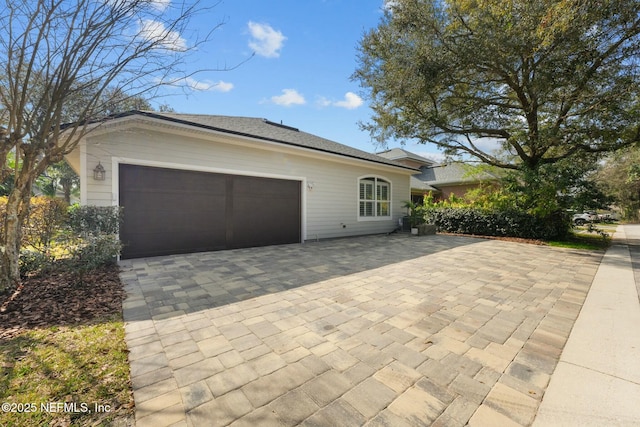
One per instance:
(310,185)
(99,173)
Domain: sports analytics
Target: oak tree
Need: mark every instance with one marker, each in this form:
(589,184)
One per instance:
(541,80)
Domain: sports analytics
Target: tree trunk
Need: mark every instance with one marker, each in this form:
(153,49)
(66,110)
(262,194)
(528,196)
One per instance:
(66,187)
(17,209)
(9,260)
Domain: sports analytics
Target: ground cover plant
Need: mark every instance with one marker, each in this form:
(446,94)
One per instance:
(63,358)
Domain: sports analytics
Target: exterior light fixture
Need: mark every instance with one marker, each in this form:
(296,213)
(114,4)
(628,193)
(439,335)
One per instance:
(99,173)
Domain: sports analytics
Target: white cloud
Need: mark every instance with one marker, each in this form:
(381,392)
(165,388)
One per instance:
(222,86)
(160,5)
(323,102)
(436,157)
(389,4)
(201,85)
(265,40)
(488,145)
(351,101)
(288,98)
(207,85)
(167,39)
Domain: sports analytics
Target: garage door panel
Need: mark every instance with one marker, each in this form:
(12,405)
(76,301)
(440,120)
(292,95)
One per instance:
(147,245)
(174,180)
(265,211)
(168,211)
(173,224)
(263,187)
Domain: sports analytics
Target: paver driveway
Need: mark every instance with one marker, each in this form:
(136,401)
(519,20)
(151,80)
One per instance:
(380,330)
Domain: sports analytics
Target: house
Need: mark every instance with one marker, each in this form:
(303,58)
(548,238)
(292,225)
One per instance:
(191,183)
(441,180)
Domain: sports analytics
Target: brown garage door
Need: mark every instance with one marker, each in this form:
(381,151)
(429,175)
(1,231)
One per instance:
(170,211)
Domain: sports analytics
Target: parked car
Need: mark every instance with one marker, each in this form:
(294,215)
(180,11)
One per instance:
(607,217)
(583,218)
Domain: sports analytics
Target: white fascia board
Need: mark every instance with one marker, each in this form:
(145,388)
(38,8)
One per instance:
(153,124)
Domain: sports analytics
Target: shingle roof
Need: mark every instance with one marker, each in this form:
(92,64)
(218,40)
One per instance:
(268,131)
(450,173)
(400,153)
(416,184)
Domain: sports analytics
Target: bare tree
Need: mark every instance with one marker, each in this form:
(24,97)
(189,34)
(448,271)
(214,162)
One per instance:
(61,59)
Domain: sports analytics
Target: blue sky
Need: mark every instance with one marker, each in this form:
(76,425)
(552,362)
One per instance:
(304,52)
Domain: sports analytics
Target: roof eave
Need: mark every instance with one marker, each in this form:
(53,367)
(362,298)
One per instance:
(152,115)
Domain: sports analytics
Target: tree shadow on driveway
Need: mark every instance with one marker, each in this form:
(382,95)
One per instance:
(168,286)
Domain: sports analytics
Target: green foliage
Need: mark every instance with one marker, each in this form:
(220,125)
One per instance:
(619,178)
(490,197)
(44,222)
(416,213)
(592,228)
(92,252)
(95,220)
(551,84)
(59,177)
(91,239)
(7,179)
(82,237)
(493,211)
(511,223)
(486,197)
(34,262)
(566,184)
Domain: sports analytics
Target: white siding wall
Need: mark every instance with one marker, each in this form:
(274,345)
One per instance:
(330,207)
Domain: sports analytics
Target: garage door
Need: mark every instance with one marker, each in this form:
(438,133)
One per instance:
(170,211)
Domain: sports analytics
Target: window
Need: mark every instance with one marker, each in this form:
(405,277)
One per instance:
(374,198)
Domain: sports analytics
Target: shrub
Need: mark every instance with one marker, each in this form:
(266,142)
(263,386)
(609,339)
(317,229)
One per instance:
(34,262)
(94,220)
(92,252)
(80,237)
(507,223)
(44,222)
(92,237)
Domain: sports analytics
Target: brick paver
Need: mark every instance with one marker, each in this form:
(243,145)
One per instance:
(378,330)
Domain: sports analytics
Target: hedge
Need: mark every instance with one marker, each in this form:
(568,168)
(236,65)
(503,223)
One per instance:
(509,223)
(81,237)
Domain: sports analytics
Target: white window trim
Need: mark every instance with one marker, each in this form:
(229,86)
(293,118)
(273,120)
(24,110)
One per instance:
(375,200)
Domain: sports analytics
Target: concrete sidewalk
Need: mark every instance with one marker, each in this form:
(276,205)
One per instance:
(597,380)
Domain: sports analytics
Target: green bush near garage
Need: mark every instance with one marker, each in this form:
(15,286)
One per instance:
(79,238)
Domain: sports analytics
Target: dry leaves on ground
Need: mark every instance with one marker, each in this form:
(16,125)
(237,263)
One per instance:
(58,298)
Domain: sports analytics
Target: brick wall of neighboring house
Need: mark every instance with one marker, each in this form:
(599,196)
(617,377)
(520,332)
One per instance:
(458,190)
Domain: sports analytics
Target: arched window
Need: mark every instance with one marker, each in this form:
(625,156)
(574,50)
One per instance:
(374,198)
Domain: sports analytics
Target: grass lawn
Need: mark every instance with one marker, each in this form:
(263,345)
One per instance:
(65,364)
(580,239)
(69,375)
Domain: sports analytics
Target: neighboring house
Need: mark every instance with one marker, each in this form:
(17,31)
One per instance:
(191,183)
(441,180)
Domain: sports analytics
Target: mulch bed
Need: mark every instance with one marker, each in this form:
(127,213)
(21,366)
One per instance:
(59,298)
